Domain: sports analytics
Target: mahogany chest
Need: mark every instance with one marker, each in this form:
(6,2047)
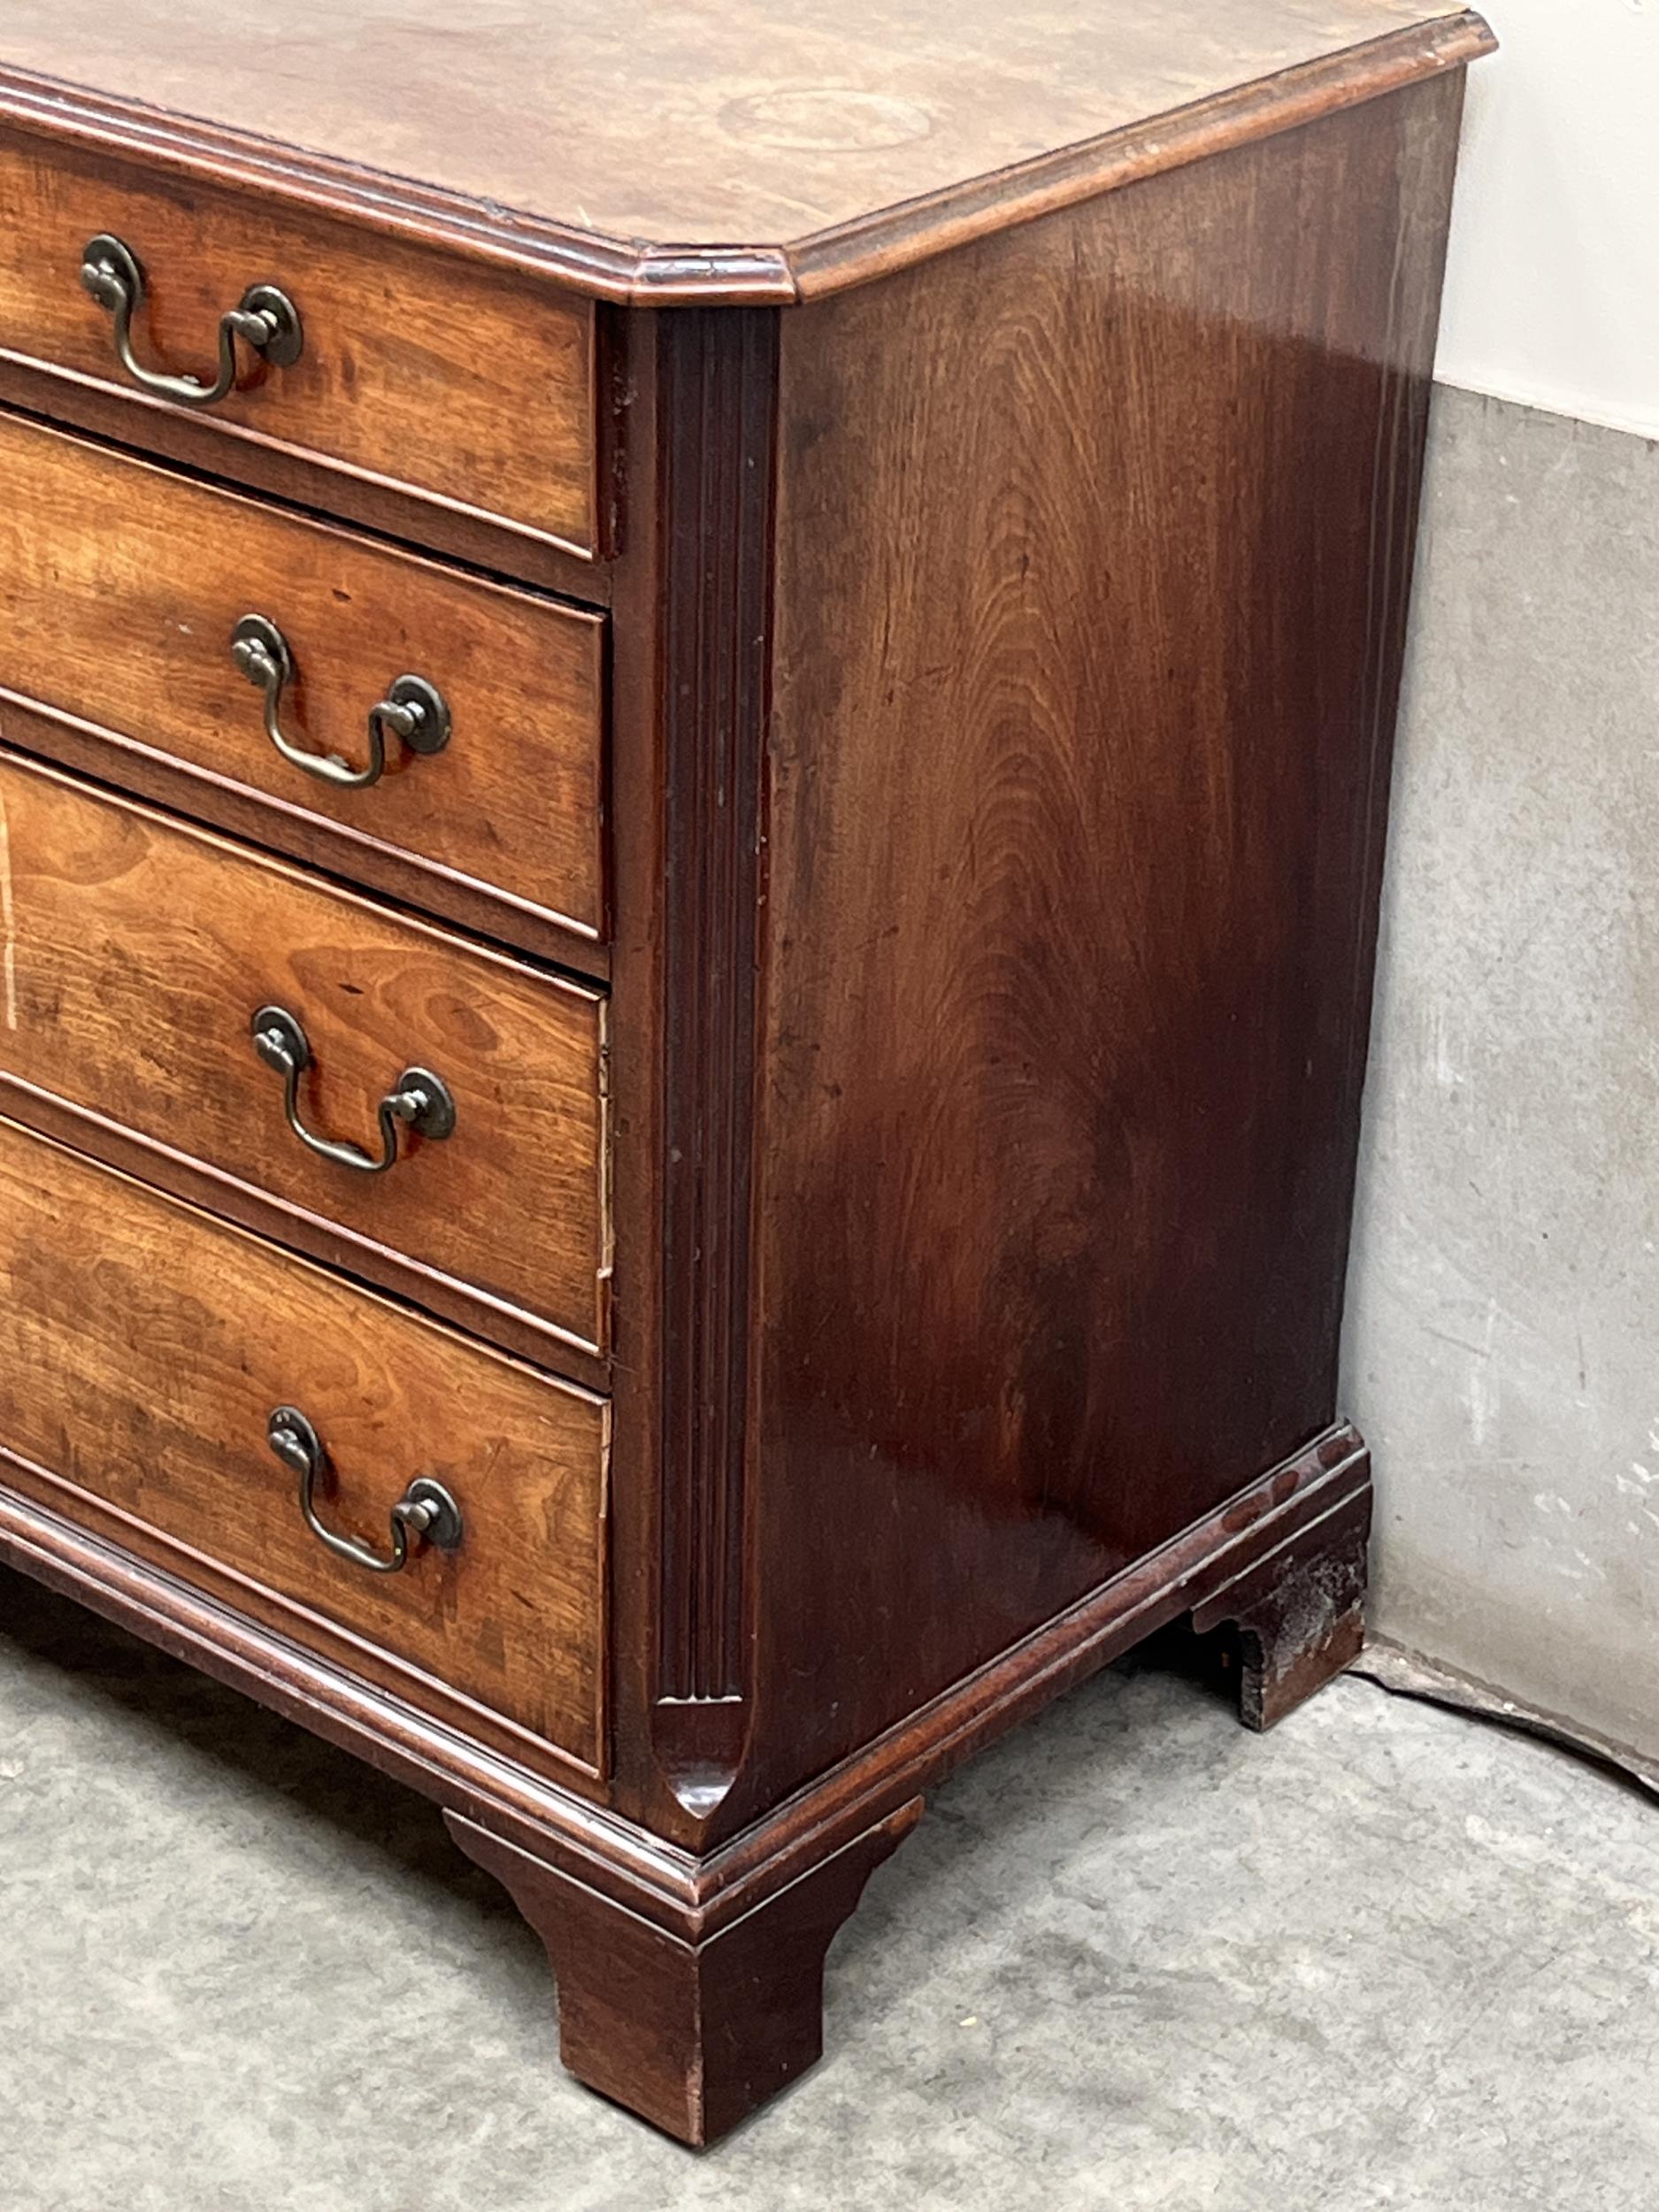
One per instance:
(694,724)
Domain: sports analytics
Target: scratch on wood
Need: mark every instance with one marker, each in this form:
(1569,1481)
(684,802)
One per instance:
(8,926)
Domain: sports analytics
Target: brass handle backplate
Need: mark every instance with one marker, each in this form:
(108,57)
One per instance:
(413,709)
(425,1510)
(419,1100)
(264,318)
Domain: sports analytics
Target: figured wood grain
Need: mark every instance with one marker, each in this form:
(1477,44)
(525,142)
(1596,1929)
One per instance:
(422,373)
(123,582)
(700,129)
(136,952)
(143,1346)
(1092,548)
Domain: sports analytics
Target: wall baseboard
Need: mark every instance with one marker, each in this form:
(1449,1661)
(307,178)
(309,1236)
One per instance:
(1409,1674)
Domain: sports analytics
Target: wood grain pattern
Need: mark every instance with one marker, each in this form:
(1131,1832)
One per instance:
(1094,543)
(1004,663)
(637,2032)
(690,1893)
(717,374)
(123,582)
(1297,1616)
(638,151)
(421,373)
(143,1348)
(693,2035)
(136,952)
(642,691)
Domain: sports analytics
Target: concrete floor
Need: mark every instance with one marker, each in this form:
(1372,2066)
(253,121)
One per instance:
(1387,1958)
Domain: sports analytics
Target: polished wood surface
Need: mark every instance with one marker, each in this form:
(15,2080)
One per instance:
(641,2032)
(718,371)
(692,2036)
(143,1348)
(1296,1616)
(994,547)
(421,373)
(135,954)
(123,583)
(705,125)
(1093,555)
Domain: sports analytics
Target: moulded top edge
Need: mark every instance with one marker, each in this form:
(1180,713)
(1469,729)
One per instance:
(750,151)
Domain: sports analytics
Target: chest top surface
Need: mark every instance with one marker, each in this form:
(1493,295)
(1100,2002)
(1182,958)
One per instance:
(701,124)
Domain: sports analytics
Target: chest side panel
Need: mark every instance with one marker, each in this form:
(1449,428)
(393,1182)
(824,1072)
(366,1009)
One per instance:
(1094,543)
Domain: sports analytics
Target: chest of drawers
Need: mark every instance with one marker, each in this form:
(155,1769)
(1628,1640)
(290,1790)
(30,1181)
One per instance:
(686,923)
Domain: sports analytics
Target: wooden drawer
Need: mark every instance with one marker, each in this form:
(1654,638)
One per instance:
(123,582)
(454,386)
(144,1348)
(136,952)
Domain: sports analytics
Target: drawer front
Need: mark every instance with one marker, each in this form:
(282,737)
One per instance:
(448,379)
(125,581)
(136,954)
(144,1348)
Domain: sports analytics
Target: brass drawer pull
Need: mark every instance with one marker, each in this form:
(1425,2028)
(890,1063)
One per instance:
(419,1100)
(425,1509)
(265,320)
(412,709)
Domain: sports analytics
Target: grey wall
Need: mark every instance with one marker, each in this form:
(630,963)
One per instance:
(1503,1350)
